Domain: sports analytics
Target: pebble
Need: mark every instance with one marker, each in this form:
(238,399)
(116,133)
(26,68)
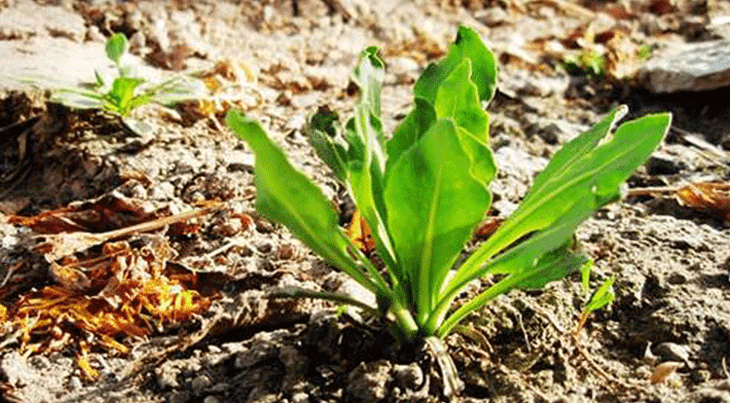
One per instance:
(200,382)
(211,399)
(688,67)
(672,352)
(300,397)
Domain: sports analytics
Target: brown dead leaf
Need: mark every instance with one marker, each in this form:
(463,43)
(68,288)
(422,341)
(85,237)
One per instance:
(359,234)
(706,196)
(488,227)
(55,246)
(129,292)
(664,370)
(107,213)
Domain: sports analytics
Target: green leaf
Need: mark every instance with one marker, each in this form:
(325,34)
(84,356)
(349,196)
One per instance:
(603,296)
(547,256)
(468,45)
(116,47)
(433,204)
(457,97)
(584,166)
(366,159)
(78,100)
(122,92)
(324,137)
(410,130)
(585,275)
(368,76)
(286,196)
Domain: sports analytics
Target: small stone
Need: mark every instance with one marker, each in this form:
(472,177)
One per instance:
(492,16)
(672,352)
(300,397)
(200,382)
(369,381)
(211,399)
(139,191)
(688,67)
(663,164)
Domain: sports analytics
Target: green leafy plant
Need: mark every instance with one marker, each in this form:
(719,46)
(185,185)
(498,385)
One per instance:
(123,93)
(423,191)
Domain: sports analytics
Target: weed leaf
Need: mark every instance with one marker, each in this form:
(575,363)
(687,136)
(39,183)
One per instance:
(433,205)
(116,47)
(285,195)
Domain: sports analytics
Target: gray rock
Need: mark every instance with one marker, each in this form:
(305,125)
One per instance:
(688,67)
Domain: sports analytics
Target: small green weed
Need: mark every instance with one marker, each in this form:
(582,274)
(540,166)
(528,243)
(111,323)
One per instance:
(123,93)
(423,191)
(600,298)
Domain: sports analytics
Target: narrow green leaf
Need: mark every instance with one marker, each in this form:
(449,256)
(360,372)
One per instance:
(116,46)
(587,168)
(433,204)
(603,296)
(366,159)
(285,195)
(368,76)
(332,153)
(468,45)
(585,275)
(547,256)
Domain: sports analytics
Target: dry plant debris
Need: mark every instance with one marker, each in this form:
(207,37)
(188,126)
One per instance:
(125,289)
(710,197)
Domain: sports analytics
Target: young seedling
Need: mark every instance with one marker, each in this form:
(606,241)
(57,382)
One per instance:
(423,191)
(601,297)
(123,93)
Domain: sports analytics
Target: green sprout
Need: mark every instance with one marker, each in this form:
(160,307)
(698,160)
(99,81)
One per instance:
(601,297)
(588,62)
(124,93)
(423,191)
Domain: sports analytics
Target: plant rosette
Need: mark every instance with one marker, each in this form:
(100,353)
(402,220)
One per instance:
(423,191)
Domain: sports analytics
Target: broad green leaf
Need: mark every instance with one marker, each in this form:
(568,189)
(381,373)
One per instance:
(433,204)
(584,167)
(122,91)
(285,195)
(468,45)
(116,46)
(457,98)
(410,130)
